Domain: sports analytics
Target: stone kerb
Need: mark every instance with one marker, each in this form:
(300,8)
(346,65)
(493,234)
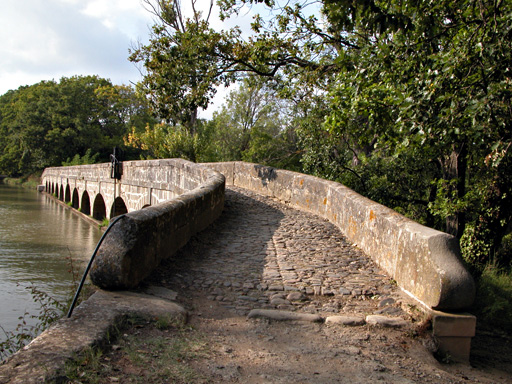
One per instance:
(140,240)
(424,262)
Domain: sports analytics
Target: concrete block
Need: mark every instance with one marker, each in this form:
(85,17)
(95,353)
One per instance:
(453,324)
(453,332)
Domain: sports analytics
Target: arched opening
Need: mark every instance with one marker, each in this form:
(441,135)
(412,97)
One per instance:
(75,201)
(99,211)
(52,189)
(67,195)
(118,208)
(85,204)
(61,193)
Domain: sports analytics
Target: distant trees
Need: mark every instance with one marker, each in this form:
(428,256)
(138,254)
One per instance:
(52,122)
(254,125)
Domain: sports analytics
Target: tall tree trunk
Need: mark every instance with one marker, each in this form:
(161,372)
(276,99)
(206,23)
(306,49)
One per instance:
(455,166)
(193,121)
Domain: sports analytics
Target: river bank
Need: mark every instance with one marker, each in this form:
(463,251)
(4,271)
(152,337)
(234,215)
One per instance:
(41,242)
(29,182)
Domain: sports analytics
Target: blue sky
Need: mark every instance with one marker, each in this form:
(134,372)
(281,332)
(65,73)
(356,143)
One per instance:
(50,39)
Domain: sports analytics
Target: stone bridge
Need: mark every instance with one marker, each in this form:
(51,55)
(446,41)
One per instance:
(93,191)
(182,198)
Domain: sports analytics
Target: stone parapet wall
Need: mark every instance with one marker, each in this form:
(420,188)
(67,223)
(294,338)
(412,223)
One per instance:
(424,262)
(142,239)
(93,172)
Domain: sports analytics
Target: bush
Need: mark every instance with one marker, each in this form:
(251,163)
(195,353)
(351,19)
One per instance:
(493,304)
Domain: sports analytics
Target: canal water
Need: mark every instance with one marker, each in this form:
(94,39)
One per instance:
(38,237)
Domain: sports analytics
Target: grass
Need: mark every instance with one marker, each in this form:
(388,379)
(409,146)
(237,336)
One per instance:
(146,351)
(493,304)
(104,223)
(30,181)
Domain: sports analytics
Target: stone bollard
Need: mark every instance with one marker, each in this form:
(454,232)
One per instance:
(453,332)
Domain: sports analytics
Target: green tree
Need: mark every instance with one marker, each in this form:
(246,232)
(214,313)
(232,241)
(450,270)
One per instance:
(48,123)
(407,84)
(182,63)
(253,125)
(435,76)
(161,141)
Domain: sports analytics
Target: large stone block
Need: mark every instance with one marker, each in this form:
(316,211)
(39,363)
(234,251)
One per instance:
(453,332)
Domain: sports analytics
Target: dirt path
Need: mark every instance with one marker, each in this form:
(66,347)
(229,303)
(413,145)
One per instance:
(219,346)
(260,351)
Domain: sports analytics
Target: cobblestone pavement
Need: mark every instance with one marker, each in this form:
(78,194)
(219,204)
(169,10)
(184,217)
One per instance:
(263,254)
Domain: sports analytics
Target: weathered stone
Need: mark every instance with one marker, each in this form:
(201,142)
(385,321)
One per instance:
(388,311)
(161,292)
(279,301)
(384,321)
(90,324)
(284,315)
(345,320)
(295,296)
(453,332)
(423,261)
(344,291)
(386,301)
(191,197)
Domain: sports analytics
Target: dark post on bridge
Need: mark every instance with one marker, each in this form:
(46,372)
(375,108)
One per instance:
(116,170)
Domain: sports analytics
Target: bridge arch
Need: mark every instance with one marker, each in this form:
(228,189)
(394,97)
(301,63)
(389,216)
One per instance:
(85,204)
(67,194)
(99,209)
(118,207)
(61,193)
(75,200)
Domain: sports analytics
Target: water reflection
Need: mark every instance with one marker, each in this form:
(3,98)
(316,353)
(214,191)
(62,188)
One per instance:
(37,236)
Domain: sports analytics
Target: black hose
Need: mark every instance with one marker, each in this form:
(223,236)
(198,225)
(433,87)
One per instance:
(90,264)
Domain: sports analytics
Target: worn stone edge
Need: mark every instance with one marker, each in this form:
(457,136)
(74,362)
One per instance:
(92,324)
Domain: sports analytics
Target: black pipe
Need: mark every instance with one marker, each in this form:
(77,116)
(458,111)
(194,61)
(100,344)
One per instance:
(90,264)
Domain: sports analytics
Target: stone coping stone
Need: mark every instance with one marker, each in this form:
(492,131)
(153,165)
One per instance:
(384,321)
(273,314)
(91,324)
(345,320)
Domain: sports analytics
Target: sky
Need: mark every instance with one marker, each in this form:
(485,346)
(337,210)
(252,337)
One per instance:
(51,39)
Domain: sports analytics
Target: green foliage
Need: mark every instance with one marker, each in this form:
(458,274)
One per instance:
(50,310)
(104,223)
(76,121)
(87,158)
(162,140)
(253,126)
(493,304)
(428,83)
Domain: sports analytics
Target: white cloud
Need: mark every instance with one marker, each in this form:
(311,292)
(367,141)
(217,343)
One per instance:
(43,40)
(50,39)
